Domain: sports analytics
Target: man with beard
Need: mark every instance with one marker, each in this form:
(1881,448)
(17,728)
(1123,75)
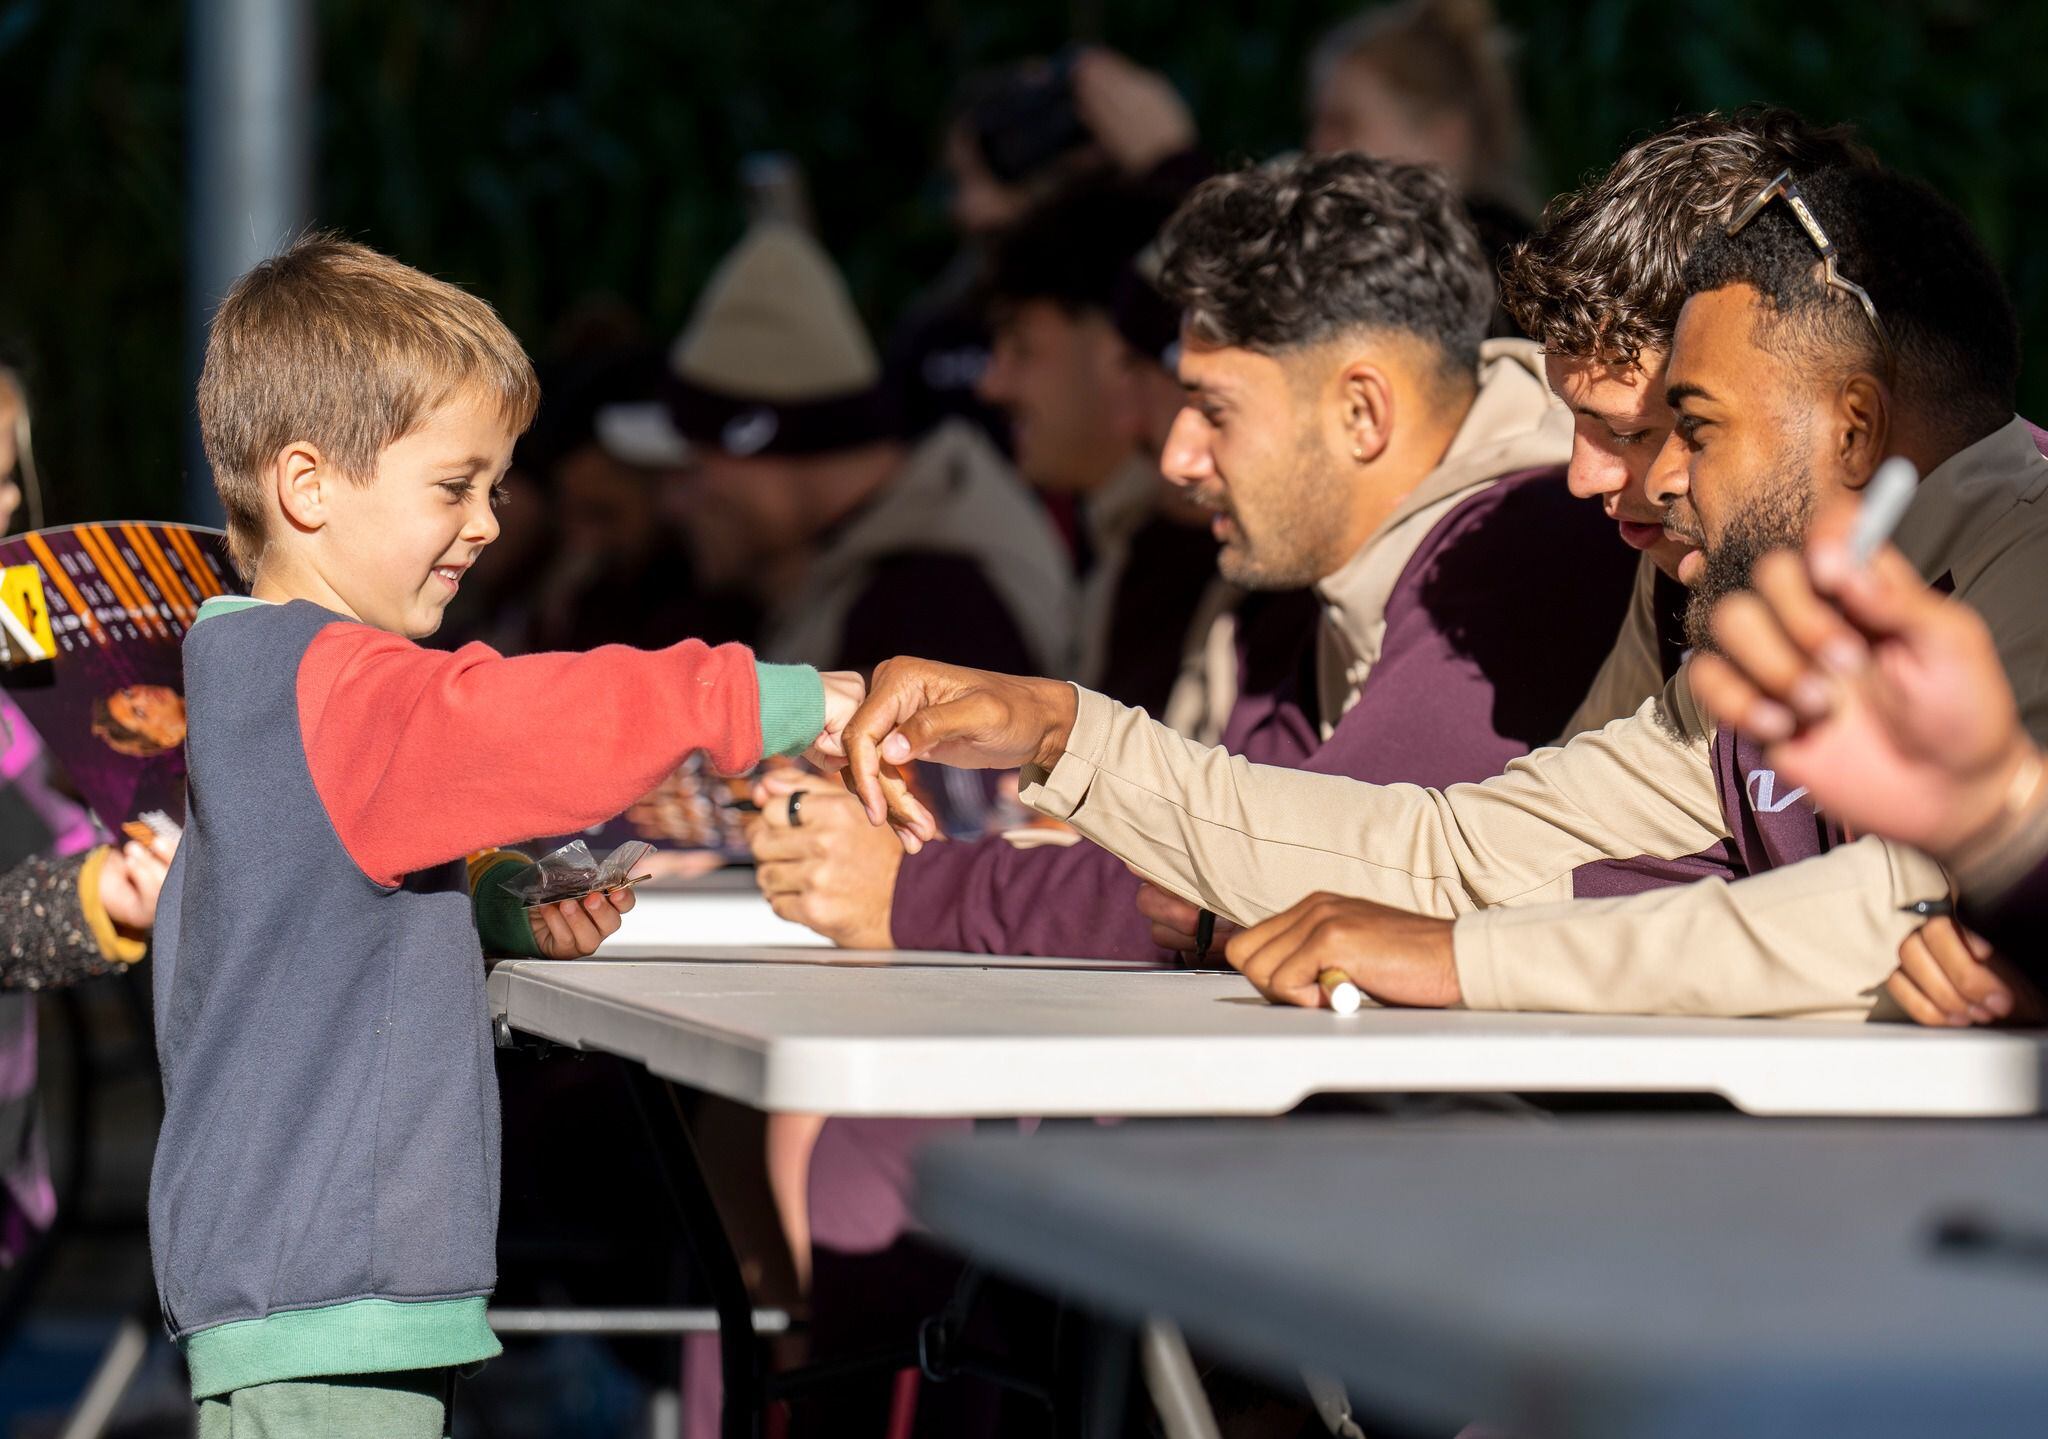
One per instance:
(1352,435)
(1838,320)
(1415,658)
(1600,289)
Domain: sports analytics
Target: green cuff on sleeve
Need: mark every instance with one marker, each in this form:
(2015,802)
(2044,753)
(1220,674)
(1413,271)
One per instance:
(792,707)
(501,921)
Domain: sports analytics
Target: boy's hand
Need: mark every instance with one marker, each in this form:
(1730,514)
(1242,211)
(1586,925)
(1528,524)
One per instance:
(1394,956)
(844,690)
(1948,976)
(130,880)
(574,928)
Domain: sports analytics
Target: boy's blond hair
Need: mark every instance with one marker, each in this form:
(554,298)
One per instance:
(331,342)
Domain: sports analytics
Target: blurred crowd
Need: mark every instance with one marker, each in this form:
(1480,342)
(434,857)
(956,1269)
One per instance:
(779,474)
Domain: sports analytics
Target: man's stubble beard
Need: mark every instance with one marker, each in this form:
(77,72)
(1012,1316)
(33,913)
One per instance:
(1300,529)
(1775,520)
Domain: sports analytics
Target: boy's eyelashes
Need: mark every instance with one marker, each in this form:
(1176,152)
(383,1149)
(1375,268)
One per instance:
(459,491)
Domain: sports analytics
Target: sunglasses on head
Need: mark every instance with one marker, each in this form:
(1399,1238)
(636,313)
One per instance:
(1787,189)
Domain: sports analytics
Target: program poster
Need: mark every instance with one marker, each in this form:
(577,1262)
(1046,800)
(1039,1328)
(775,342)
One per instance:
(110,701)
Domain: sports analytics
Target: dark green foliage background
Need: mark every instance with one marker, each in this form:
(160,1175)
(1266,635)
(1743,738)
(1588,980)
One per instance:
(545,152)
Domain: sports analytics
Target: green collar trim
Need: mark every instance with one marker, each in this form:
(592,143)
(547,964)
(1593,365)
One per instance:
(226,605)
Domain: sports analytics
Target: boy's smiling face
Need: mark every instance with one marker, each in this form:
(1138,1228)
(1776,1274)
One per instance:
(393,552)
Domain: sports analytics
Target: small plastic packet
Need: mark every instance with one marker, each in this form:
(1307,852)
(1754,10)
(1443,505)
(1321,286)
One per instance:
(572,872)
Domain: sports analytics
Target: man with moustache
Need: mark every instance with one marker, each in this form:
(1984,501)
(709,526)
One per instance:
(1599,287)
(1351,434)
(1430,652)
(1817,339)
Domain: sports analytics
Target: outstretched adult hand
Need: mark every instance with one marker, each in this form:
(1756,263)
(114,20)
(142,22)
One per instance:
(1883,698)
(970,719)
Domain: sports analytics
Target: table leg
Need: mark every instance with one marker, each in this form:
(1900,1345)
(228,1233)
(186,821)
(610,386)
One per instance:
(1101,1409)
(682,1172)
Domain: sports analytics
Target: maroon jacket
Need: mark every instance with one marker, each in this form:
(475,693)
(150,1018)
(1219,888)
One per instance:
(1494,631)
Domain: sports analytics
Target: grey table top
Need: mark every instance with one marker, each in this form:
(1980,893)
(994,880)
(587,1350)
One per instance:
(1682,1277)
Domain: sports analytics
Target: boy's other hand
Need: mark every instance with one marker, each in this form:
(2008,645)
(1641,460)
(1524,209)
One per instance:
(574,928)
(844,690)
(971,719)
(130,881)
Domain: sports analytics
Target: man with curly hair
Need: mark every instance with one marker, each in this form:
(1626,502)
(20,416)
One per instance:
(1599,288)
(1658,865)
(1415,598)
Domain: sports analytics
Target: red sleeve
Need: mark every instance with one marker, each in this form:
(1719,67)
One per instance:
(423,757)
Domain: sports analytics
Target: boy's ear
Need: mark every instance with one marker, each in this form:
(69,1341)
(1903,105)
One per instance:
(304,485)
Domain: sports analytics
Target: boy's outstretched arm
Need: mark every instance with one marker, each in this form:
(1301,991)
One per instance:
(422,757)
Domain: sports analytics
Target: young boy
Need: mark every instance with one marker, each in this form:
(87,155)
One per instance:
(323,1209)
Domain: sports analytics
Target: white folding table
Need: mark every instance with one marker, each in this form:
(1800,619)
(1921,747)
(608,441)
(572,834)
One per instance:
(818,1031)
(917,1034)
(718,910)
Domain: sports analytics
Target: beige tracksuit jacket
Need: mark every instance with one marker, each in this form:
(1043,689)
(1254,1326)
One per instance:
(1559,873)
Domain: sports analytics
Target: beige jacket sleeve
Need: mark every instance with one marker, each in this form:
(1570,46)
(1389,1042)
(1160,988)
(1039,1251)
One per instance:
(1813,940)
(1632,672)
(1247,841)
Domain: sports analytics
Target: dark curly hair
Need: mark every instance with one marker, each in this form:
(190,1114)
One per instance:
(1946,310)
(1299,251)
(1601,278)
